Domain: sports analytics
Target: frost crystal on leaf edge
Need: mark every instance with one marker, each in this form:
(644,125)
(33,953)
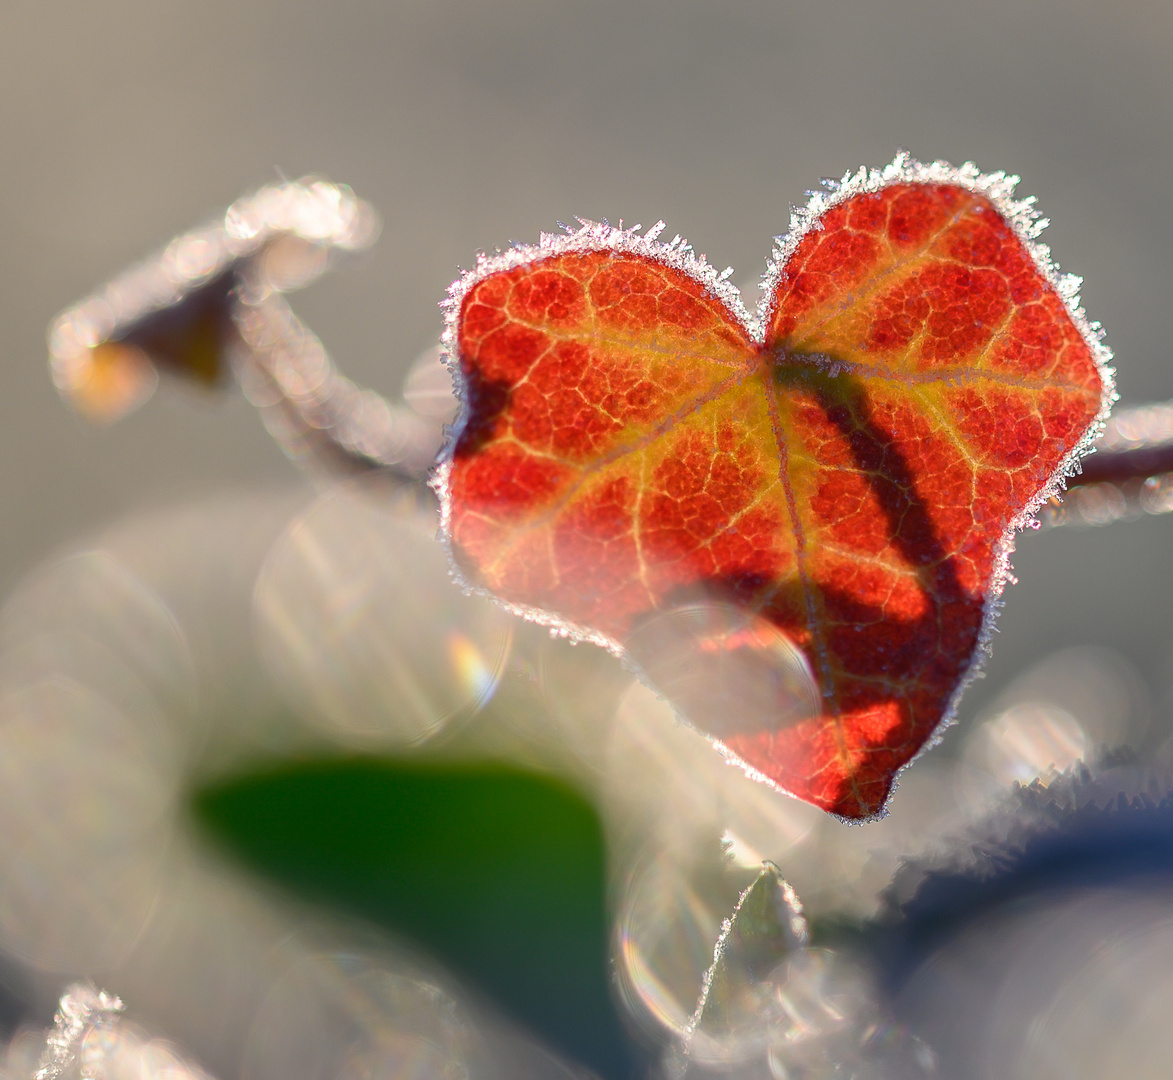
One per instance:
(1019,213)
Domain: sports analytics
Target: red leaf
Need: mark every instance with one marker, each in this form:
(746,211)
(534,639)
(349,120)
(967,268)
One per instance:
(850,465)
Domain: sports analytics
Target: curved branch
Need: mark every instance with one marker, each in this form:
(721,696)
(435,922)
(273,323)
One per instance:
(1129,474)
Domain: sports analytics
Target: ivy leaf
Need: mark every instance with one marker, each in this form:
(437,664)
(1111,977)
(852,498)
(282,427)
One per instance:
(738,1003)
(850,464)
(496,871)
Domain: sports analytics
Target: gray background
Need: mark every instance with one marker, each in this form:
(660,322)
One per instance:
(473,124)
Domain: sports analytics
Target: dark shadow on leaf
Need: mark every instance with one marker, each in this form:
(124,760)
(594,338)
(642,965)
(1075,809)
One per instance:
(914,663)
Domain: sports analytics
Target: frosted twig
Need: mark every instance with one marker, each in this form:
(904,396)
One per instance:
(210,305)
(1130,474)
(81,1006)
(318,416)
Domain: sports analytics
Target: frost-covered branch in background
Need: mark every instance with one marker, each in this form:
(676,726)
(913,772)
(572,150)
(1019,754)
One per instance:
(1130,475)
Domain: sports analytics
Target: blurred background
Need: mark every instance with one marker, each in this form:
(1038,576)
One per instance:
(472,125)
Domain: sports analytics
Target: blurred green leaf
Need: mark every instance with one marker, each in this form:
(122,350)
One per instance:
(496,871)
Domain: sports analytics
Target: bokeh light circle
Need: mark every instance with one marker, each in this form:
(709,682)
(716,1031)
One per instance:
(362,629)
(725,669)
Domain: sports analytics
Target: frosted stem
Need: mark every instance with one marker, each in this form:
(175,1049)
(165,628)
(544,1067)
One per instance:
(1129,476)
(81,1007)
(319,417)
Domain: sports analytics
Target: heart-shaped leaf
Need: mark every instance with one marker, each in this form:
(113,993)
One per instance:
(850,465)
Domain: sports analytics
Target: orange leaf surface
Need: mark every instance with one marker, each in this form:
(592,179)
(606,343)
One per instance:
(850,465)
